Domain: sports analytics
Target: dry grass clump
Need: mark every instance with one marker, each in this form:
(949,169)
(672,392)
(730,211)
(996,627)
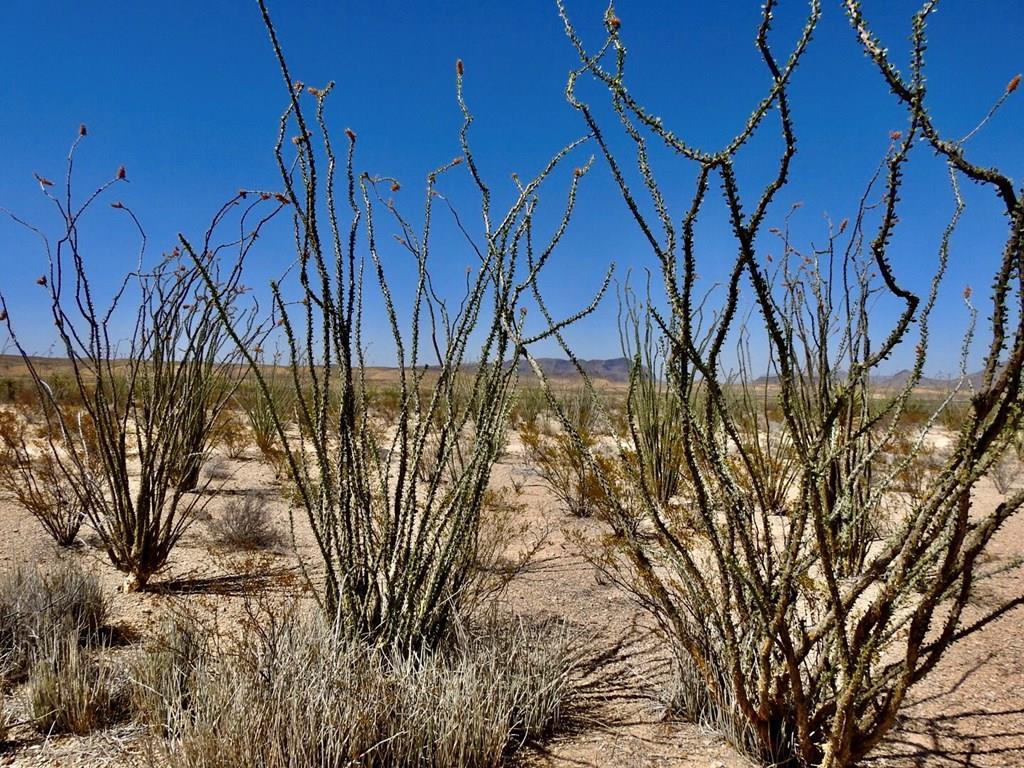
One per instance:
(69,690)
(6,721)
(295,693)
(246,524)
(38,604)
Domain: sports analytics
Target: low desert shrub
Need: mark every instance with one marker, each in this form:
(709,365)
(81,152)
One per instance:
(565,464)
(70,690)
(37,604)
(293,692)
(245,523)
(259,406)
(163,674)
(230,433)
(32,475)
(6,721)
(530,405)
(1004,473)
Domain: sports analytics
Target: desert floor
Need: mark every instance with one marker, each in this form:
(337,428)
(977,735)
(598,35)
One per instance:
(969,712)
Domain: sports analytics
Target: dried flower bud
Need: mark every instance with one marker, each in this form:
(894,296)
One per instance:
(264,195)
(457,161)
(43,181)
(121,172)
(281,198)
(298,85)
(895,135)
(258,350)
(82,129)
(3,315)
(118,204)
(395,187)
(967,293)
(613,22)
(459,67)
(351,134)
(42,281)
(1013,84)
(313,91)
(577,172)
(243,193)
(842,225)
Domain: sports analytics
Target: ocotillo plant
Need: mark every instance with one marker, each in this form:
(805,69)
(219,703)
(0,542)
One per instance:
(396,525)
(799,624)
(147,404)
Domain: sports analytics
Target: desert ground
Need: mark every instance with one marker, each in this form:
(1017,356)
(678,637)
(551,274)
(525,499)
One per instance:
(969,712)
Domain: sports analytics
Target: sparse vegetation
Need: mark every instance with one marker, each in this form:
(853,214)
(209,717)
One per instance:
(38,604)
(295,692)
(69,690)
(565,460)
(245,523)
(149,403)
(32,474)
(803,531)
(396,524)
(800,637)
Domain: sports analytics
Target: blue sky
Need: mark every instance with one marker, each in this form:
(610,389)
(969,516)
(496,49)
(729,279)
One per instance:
(187,96)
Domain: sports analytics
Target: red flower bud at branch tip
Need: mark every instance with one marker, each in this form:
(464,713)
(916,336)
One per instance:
(3,315)
(42,281)
(43,181)
(118,204)
(121,172)
(614,22)
(1012,85)
(351,134)
(967,292)
(459,68)
(895,135)
(81,130)
(842,225)
(395,187)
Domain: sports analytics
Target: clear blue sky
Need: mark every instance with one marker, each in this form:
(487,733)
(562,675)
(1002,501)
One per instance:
(186,96)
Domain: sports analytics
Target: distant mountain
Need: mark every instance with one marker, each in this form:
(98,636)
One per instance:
(615,370)
(899,380)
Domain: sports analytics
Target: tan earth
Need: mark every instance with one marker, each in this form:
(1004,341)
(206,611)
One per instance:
(968,713)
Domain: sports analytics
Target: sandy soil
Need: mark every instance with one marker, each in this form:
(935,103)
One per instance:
(969,712)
